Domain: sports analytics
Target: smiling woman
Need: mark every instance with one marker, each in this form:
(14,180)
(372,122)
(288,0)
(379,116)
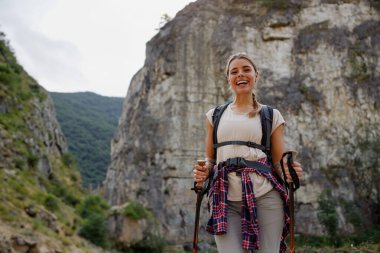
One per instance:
(71,46)
(248,202)
(242,75)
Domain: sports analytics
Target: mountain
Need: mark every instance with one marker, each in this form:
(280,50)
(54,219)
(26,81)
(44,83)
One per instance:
(319,65)
(88,122)
(41,198)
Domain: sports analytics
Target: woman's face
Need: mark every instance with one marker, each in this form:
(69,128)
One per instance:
(241,76)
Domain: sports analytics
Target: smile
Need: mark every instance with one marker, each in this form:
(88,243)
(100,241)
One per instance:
(242,83)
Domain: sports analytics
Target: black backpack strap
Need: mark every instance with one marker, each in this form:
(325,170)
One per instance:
(266,116)
(216,116)
(245,143)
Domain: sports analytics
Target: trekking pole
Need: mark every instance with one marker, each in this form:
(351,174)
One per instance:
(198,190)
(292,186)
(291,209)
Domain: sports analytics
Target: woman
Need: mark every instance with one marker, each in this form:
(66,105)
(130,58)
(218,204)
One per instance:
(249,219)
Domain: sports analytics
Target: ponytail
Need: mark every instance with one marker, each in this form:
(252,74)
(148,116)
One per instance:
(255,108)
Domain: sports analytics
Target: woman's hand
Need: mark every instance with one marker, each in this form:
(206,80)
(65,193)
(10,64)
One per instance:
(297,167)
(201,173)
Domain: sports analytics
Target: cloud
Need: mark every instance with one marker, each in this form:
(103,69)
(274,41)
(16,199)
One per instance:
(57,61)
(86,45)
(55,64)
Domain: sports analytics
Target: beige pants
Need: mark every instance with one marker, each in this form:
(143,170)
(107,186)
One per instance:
(270,214)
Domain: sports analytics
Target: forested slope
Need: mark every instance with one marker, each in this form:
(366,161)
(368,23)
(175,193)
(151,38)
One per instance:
(88,122)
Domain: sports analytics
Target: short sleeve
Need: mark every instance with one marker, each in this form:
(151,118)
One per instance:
(209,116)
(278,120)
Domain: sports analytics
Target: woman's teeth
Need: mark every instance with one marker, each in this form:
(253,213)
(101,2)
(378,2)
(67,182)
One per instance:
(242,82)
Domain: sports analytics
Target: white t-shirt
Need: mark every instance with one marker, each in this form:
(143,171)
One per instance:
(235,126)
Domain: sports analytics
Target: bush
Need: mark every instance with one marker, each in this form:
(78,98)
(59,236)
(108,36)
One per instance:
(151,244)
(69,160)
(371,236)
(92,205)
(94,229)
(93,210)
(61,192)
(32,160)
(70,199)
(51,202)
(136,211)
(328,216)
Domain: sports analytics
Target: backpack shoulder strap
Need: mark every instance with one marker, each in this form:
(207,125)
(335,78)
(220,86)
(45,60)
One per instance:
(216,116)
(266,116)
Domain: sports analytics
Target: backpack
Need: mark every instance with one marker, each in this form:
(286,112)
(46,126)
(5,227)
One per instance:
(266,118)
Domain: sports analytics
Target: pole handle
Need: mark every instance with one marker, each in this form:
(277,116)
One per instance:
(199,185)
(290,156)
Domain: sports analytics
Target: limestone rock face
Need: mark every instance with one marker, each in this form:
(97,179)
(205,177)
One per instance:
(46,140)
(319,65)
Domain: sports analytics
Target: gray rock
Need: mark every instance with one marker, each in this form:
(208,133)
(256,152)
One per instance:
(22,245)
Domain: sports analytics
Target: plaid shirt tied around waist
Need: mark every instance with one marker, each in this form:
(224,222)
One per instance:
(217,224)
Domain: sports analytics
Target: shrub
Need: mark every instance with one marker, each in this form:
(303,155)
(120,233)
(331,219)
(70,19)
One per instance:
(136,211)
(92,205)
(327,215)
(61,192)
(94,229)
(68,160)
(51,202)
(151,244)
(70,199)
(32,160)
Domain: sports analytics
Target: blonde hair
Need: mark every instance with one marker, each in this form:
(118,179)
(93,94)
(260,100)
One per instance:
(233,57)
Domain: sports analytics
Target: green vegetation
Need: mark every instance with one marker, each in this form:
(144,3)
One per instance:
(150,244)
(352,214)
(360,72)
(94,229)
(41,187)
(340,1)
(136,211)
(18,91)
(92,204)
(33,195)
(93,210)
(311,94)
(51,202)
(368,239)
(275,4)
(327,214)
(88,122)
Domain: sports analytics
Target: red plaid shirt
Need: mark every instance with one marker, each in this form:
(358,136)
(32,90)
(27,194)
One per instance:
(217,223)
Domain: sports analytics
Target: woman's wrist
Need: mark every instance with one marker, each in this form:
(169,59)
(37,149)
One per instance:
(277,168)
(209,165)
(210,160)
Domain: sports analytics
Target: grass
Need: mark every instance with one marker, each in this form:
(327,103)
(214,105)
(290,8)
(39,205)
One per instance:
(368,239)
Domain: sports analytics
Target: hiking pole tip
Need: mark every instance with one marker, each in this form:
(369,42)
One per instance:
(198,189)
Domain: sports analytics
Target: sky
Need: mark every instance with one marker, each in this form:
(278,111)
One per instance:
(83,45)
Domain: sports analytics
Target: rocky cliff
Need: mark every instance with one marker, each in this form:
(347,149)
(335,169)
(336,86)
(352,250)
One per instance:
(319,63)
(39,184)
